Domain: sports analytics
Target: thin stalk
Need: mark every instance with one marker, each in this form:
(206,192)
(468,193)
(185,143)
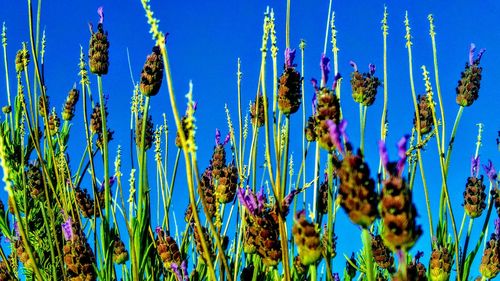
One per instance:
(327,26)
(302,47)
(288,24)
(7,83)
(105,234)
(367,243)
(383,118)
(239,74)
(330,204)
(467,239)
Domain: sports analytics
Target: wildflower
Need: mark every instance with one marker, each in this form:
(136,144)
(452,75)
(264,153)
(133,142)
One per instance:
(208,241)
(257,113)
(381,253)
(96,124)
(43,105)
(69,106)
(218,161)
(149,133)
(289,90)
(120,253)
(425,115)
(261,232)
(474,195)
(287,201)
(328,108)
(325,69)
(167,249)
(227,184)
(152,73)
(440,264)
(396,207)
(490,262)
(34,181)
(99,47)
(22,60)
(470,79)
(206,189)
(307,239)
(357,190)
(490,171)
(78,256)
(53,123)
(364,86)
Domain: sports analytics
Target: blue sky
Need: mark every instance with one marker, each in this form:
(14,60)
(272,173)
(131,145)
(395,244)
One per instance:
(207,37)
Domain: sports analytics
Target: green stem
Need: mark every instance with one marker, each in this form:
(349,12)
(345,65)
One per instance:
(367,243)
(288,24)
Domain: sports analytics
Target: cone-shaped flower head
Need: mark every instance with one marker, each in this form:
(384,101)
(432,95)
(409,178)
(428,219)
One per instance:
(149,134)
(396,206)
(78,256)
(357,190)
(470,79)
(257,113)
(70,104)
(364,85)
(218,161)
(167,249)
(289,89)
(490,262)
(34,180)
(206,189)
(208,241)
(474,195)
(152,73)
(381,253)
(227,184)
(120,253)
(425,115)
(22,60)
(440,264)
(99,47)
(262,232)
(307,239)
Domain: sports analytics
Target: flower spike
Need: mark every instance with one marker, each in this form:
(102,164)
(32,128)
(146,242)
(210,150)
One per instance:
(100,11)
(68,229)
(289,57)
(490,171)
(402,153)
(474,166)
(325,69)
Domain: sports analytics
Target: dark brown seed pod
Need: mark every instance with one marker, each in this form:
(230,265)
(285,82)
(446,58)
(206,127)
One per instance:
(149,134)
(99,51)
(152,73)
(470,79)
(425,115)
(70,104)
(474,197)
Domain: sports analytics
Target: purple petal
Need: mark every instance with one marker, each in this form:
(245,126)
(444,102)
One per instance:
(336,277)
(314,83)
(226,140)
(195,106)
(497,228)
(479,56)
(217,136)
(184,270)
(474,166)
(402,153)
(261,200)
(247,200)
(67,229)
(289,57)
(100,11)
(287,201)
(336,131)
(471,53)
(354,65)
(314,101)
(342,127)
(16,229)
(158,230)
(175,269)
(325,69)
(384,156)
(490,171)
(335,80)
(371,67)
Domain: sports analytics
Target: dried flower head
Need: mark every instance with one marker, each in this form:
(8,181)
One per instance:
(470,79)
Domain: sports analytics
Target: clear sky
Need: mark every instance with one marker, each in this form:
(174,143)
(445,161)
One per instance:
(207,37)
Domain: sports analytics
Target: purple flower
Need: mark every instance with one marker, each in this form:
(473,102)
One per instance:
(490,171)
(384,156)
(336,277)
(287,201)
(289,57)
(336,80)
(16,230)
(314,83)
(100,11)
(336,132)
(402,153)
(261,200)
(354,65)
(217,136)
(371,67)
(314,101)
(184,270)
(195,106)
(158,230)
(67,229)
(175,269)
(497,228)
(472,51)
(325,69)
(474,166)
(247,200)
(112,180)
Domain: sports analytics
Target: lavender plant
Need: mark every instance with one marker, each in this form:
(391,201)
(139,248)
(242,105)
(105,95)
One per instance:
(80,220)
